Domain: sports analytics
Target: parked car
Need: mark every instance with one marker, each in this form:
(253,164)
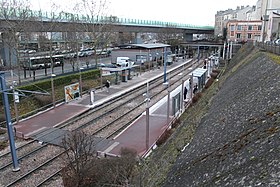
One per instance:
(277,42)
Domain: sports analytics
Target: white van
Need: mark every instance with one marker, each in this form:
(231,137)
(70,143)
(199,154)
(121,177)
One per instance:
(124,62)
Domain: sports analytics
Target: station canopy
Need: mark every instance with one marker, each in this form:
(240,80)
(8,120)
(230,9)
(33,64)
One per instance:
(145,46)
(199,72)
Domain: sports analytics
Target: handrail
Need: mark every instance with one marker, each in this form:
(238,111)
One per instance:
(17,14)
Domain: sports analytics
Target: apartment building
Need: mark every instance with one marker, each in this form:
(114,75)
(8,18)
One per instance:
(244,31)
(240,13)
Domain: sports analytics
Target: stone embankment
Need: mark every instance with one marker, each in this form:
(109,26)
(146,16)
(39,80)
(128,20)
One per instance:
(237,143)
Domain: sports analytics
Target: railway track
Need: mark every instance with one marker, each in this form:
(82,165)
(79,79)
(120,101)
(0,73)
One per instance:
(105,121)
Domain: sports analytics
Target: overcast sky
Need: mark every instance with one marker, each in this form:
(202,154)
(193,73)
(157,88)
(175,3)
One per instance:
(195,12)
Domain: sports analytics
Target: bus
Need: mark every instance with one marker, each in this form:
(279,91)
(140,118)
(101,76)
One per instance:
(41,62)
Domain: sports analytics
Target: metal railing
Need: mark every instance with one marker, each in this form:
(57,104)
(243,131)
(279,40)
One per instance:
(272,48)
(17,14)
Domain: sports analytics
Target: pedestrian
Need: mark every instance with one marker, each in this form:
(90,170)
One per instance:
(195,89)
(185,93)
(190,84)
(107,85)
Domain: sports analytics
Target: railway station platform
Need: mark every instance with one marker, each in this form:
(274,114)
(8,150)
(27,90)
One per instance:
(133,136)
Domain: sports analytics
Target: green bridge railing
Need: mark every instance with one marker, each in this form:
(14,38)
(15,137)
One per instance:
(17,14)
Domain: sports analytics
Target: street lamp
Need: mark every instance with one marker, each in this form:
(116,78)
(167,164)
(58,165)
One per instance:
(52,85)
(164,69)
(147,99)
(80,81)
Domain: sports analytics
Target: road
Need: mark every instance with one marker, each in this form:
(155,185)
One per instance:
(39,74)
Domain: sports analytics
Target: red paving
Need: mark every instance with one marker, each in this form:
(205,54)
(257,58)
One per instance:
(47,119)
(135,136)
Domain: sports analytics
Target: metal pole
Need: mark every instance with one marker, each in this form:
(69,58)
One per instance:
(168,106)
(182,100)
(191,86)
(228,51)
(198,54)
(230,56)
(52,85)
(9,123)
(224,51)
(164,69)
(147,118)
(101,86)
(80,82)
(147,127)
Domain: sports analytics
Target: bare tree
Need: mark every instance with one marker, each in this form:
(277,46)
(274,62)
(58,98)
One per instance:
(79,158)
(51,26)
(17,18)
(97,25)
(83,168)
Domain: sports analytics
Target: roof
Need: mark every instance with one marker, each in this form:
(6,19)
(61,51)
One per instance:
(198,72)
(147,46)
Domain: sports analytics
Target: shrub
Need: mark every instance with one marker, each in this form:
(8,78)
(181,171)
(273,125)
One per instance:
(209,83)
(196,97)
(216,71)
(43,99)
(214,75)
(164,137)
(176,123)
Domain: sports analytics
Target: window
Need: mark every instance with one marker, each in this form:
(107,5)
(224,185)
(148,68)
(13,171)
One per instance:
(259,28)
(232,33)
(249,35)
(239,27)
(232,27)
(238,35)
(250,27)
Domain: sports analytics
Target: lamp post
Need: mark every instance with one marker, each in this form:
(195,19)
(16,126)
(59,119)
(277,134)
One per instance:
(80,82)
(164,69)
(52,85)
(147,99)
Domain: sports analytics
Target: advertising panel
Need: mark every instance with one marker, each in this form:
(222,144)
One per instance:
(72,92)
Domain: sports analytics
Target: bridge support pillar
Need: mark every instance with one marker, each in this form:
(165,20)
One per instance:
(120,38)
(188,37)
(137,39)
(7,50)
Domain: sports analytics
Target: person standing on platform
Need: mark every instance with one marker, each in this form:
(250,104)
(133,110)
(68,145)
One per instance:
(195,89)
(190,84)
(107,85)
(185,93)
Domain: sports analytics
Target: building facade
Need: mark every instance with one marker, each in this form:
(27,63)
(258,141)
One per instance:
(244,31)
(223,17)
(273,27)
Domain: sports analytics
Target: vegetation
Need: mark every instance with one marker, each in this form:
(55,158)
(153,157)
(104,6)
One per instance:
(83,168)
(274,58)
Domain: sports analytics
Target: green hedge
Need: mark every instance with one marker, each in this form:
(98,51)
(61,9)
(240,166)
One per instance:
(61,81)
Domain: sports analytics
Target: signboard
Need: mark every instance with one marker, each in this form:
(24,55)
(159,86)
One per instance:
(105,72)
(16,97)
(72,92)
